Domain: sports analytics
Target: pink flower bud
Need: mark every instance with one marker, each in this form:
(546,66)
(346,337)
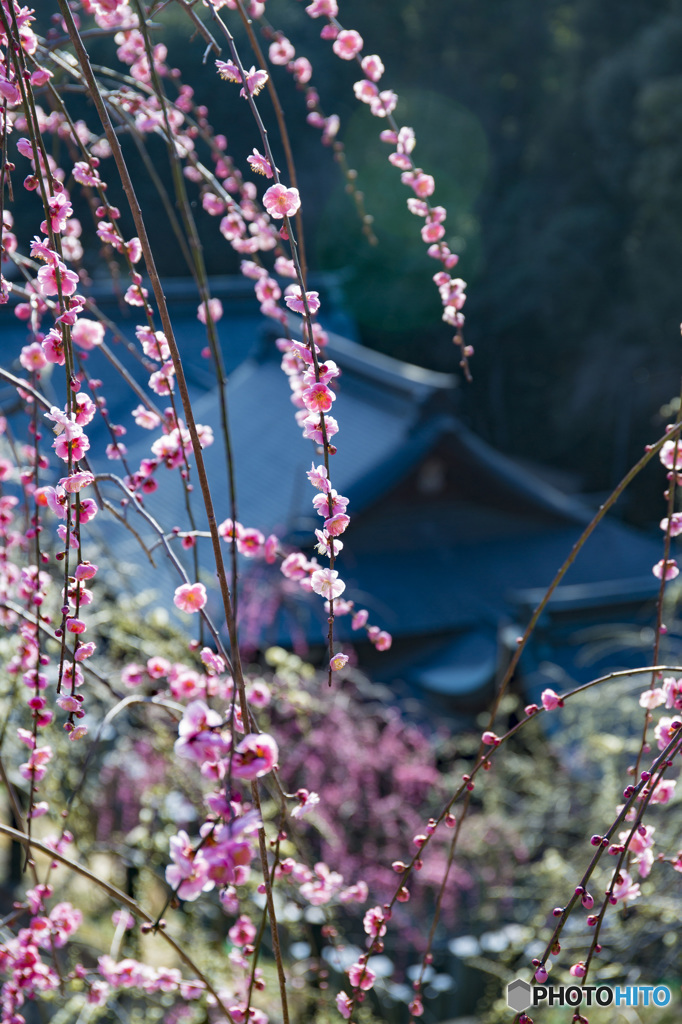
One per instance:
(490,739)
(85,571)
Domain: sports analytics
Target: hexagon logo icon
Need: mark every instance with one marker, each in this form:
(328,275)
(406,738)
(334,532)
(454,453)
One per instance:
(519,995)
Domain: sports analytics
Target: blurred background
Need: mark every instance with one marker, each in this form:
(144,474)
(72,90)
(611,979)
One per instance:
(553,132)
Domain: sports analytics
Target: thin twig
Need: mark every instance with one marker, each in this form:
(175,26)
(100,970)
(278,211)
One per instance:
(121,897)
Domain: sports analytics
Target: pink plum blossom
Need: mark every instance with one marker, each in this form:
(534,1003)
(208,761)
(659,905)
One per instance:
(318,478)
(318,398)
(551,700)
(280,201)
(146,418)
(295,566)
(302,70)
(215,308)
(162,381)
(322,9)
(40,76)
(381,639)
(199,736)
(188,874)
(665,730)
(9,92)
(326,583)
(270,549)
(32,357)
(313,428)
(250,542)
(360,976)
(41,249)
(87,334)
(260,164)
(432,232)
(267,288)
(154,343)
(307,801)
(344,1005)
(664,791)
(384,103)
(374,923)
(671,455)
(325,544)
(136,295)
(319,888)
(328,370)
(651,699)
(672,690)
(158,667)
(336,524)
(73,541)
(51,279)
(360,618)
(84,174)
(294,299)
(57,501)
(53,347)
(74,447)
(68,703)
(666,569)
(626,889)
(255,79)
(373,67)
(87,509)
(334,502)
(84,412)
(243,931)
(36,766)
(190,597)
(213,662)
(365,91)
(65,920)
(281,51)
(213,204)
(60,210)
(228,849)
(77,481)
(229,530)
(347,44)
(422,184)
(255,755)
